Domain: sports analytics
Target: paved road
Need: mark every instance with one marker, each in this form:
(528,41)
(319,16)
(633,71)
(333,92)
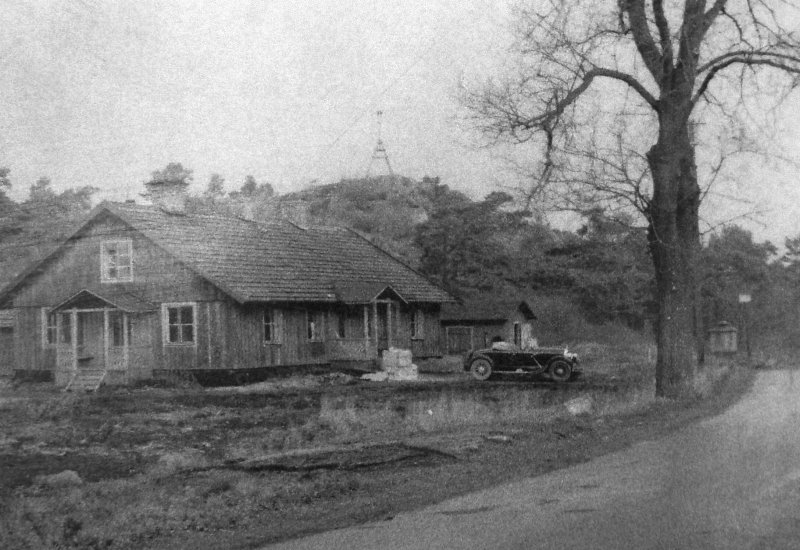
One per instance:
(732,481)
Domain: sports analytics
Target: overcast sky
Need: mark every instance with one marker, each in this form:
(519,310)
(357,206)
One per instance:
(102,93)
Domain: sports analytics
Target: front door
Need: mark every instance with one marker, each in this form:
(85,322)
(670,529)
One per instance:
(91,347)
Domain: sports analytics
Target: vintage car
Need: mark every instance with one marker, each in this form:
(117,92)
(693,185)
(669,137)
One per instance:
(557,364)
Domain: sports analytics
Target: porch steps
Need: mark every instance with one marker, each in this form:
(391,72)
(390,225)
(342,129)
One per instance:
(86,380)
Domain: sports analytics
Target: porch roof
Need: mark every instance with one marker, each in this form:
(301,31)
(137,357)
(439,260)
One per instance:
(364,292)
(87,299)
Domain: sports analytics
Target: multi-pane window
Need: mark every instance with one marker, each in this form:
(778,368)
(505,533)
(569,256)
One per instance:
(314,325)
(50,328)
(117,261)
(271,326)
(179,323)
(51,334)
(418,324)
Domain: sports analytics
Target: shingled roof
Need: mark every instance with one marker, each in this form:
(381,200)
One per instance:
(486,310)
(277,261)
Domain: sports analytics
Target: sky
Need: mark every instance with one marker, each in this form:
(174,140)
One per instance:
(102,93)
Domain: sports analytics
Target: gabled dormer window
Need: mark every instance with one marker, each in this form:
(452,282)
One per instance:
(116,261)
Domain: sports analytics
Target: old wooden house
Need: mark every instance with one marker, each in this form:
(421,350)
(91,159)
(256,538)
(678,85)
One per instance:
(137,291)
(474,324)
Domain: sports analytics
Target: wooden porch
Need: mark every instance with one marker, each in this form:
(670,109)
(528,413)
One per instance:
(95,339)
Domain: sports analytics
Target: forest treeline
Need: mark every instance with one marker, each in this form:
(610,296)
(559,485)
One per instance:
(488,246)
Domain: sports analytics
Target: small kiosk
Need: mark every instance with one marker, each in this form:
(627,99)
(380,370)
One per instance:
(723,339)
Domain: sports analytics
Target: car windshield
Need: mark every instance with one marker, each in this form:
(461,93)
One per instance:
(503,346)
(508,346)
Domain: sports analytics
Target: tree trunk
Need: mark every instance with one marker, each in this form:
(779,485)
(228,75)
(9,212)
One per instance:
(674,244)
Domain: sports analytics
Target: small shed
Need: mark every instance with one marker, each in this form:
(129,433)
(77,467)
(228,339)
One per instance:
(473,324)
(723,338)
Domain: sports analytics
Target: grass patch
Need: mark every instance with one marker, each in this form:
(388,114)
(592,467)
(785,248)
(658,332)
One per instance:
(152,460)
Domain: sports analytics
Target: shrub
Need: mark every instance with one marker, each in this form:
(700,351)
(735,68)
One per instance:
(173,462)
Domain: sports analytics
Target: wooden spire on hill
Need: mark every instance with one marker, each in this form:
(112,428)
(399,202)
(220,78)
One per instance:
(379,154)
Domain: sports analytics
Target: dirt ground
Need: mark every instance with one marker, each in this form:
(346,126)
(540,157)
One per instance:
(190,467)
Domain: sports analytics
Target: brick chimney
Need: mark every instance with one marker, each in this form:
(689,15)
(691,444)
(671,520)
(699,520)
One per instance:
(168,195)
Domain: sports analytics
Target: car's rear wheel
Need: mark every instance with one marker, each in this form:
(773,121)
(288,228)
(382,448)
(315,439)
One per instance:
(559,370)
(481,369)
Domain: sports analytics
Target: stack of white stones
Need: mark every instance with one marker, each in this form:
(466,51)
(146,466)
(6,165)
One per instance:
(396,364)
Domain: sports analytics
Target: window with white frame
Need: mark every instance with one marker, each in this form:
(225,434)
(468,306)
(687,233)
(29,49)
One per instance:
(314,326)
(180,323)
(116,261)
(52,332)
(418,324)
(49,328)
(272,324)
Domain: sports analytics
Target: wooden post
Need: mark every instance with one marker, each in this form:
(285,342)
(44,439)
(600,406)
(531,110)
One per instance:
(389,323)
(105,338)
(276,352)
(223,329)
(125,345)
(59,328)
(366,332)
(208,331)
(375,324)
(74,336)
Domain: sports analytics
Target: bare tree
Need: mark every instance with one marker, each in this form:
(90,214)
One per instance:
(675,64)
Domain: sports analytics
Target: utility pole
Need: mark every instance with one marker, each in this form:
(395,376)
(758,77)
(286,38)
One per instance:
(745,299)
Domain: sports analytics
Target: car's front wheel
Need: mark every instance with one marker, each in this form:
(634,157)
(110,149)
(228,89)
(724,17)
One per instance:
(481,369)
(559,370)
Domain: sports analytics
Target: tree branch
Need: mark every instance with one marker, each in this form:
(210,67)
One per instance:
(708,18)
(696,23)
(664,34)
(652,57)
(747,53)
(783,62)
(576,92)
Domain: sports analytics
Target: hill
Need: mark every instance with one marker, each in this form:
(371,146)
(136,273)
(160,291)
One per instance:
(489,246)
